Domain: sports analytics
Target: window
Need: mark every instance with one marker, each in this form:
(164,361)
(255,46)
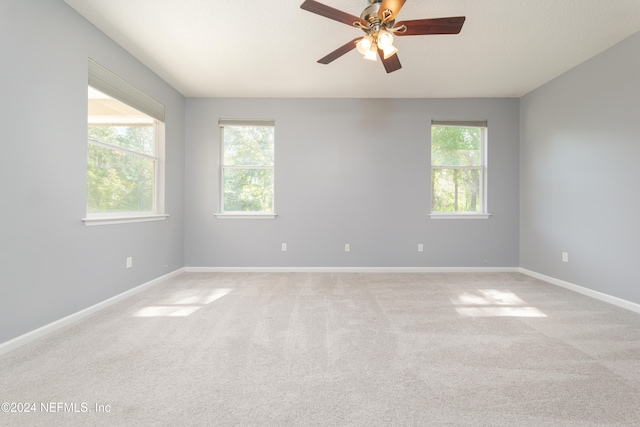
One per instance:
(125,146)
(247,168)
(458,169)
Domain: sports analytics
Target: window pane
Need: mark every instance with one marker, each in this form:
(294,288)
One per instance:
(456,190)
(117,181)
(248,145)
(138,138)
(248,190)
(456,146)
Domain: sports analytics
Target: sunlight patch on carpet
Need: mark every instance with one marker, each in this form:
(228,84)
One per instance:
(493,303)
(500,312)
(203,298)
(184,303)
(168,311)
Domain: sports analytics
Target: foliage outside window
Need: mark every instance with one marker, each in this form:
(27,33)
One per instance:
(122,158)
(458,167)
(247,166)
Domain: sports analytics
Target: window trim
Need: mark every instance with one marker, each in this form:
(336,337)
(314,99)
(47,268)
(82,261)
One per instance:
(222,214)
(123,219)
(114,86)
(484,214)
(459,215)
(249,215)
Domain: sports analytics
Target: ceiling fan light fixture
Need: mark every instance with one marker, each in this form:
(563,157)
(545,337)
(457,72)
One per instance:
(365,44)
(385,42)
(367,47)
(389,51)
(371,54)
(378,21)
(385,39)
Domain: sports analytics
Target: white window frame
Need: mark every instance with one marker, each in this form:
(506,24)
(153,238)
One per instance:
(484,214)
(222,214)
(112,85)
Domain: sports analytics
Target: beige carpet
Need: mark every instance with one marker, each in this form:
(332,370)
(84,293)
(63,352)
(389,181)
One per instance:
(335,349)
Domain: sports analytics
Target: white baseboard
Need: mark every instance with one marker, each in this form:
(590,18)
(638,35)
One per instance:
(351,269)
(14,343)
(584,291)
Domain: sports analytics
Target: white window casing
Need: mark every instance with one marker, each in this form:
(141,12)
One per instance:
(115,87)
(482,168)
(225,166)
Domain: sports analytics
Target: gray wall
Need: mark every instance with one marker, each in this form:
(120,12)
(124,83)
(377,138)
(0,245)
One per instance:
(51,264)
(348,171)
(579,162)
(351,171)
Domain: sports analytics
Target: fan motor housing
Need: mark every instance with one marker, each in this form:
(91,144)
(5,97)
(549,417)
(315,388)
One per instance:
(370,14)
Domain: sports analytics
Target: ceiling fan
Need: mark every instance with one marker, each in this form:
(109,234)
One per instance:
(378,22)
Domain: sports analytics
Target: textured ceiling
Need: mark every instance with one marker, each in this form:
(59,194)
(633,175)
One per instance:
(252,48)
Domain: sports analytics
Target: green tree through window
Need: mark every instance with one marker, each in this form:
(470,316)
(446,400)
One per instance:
(457,167)
(120,180)
(247,166)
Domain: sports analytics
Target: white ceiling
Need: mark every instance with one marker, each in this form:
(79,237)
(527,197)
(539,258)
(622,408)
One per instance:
(252,48)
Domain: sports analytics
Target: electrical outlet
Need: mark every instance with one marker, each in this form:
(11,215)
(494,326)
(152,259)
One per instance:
(420,247)
(284,247)
(565,257)
(347,247)
(129,262)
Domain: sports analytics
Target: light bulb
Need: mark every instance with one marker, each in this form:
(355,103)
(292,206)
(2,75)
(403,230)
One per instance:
(366,41)
(385,39)
(364,45)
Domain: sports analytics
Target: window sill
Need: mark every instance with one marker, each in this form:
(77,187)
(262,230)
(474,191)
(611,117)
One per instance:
(249,215)
(108,220)
(458,215)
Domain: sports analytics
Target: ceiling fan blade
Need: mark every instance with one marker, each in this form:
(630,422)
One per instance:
(391,64)
(331,13)
(347,47)
(393,6)
(420,27)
